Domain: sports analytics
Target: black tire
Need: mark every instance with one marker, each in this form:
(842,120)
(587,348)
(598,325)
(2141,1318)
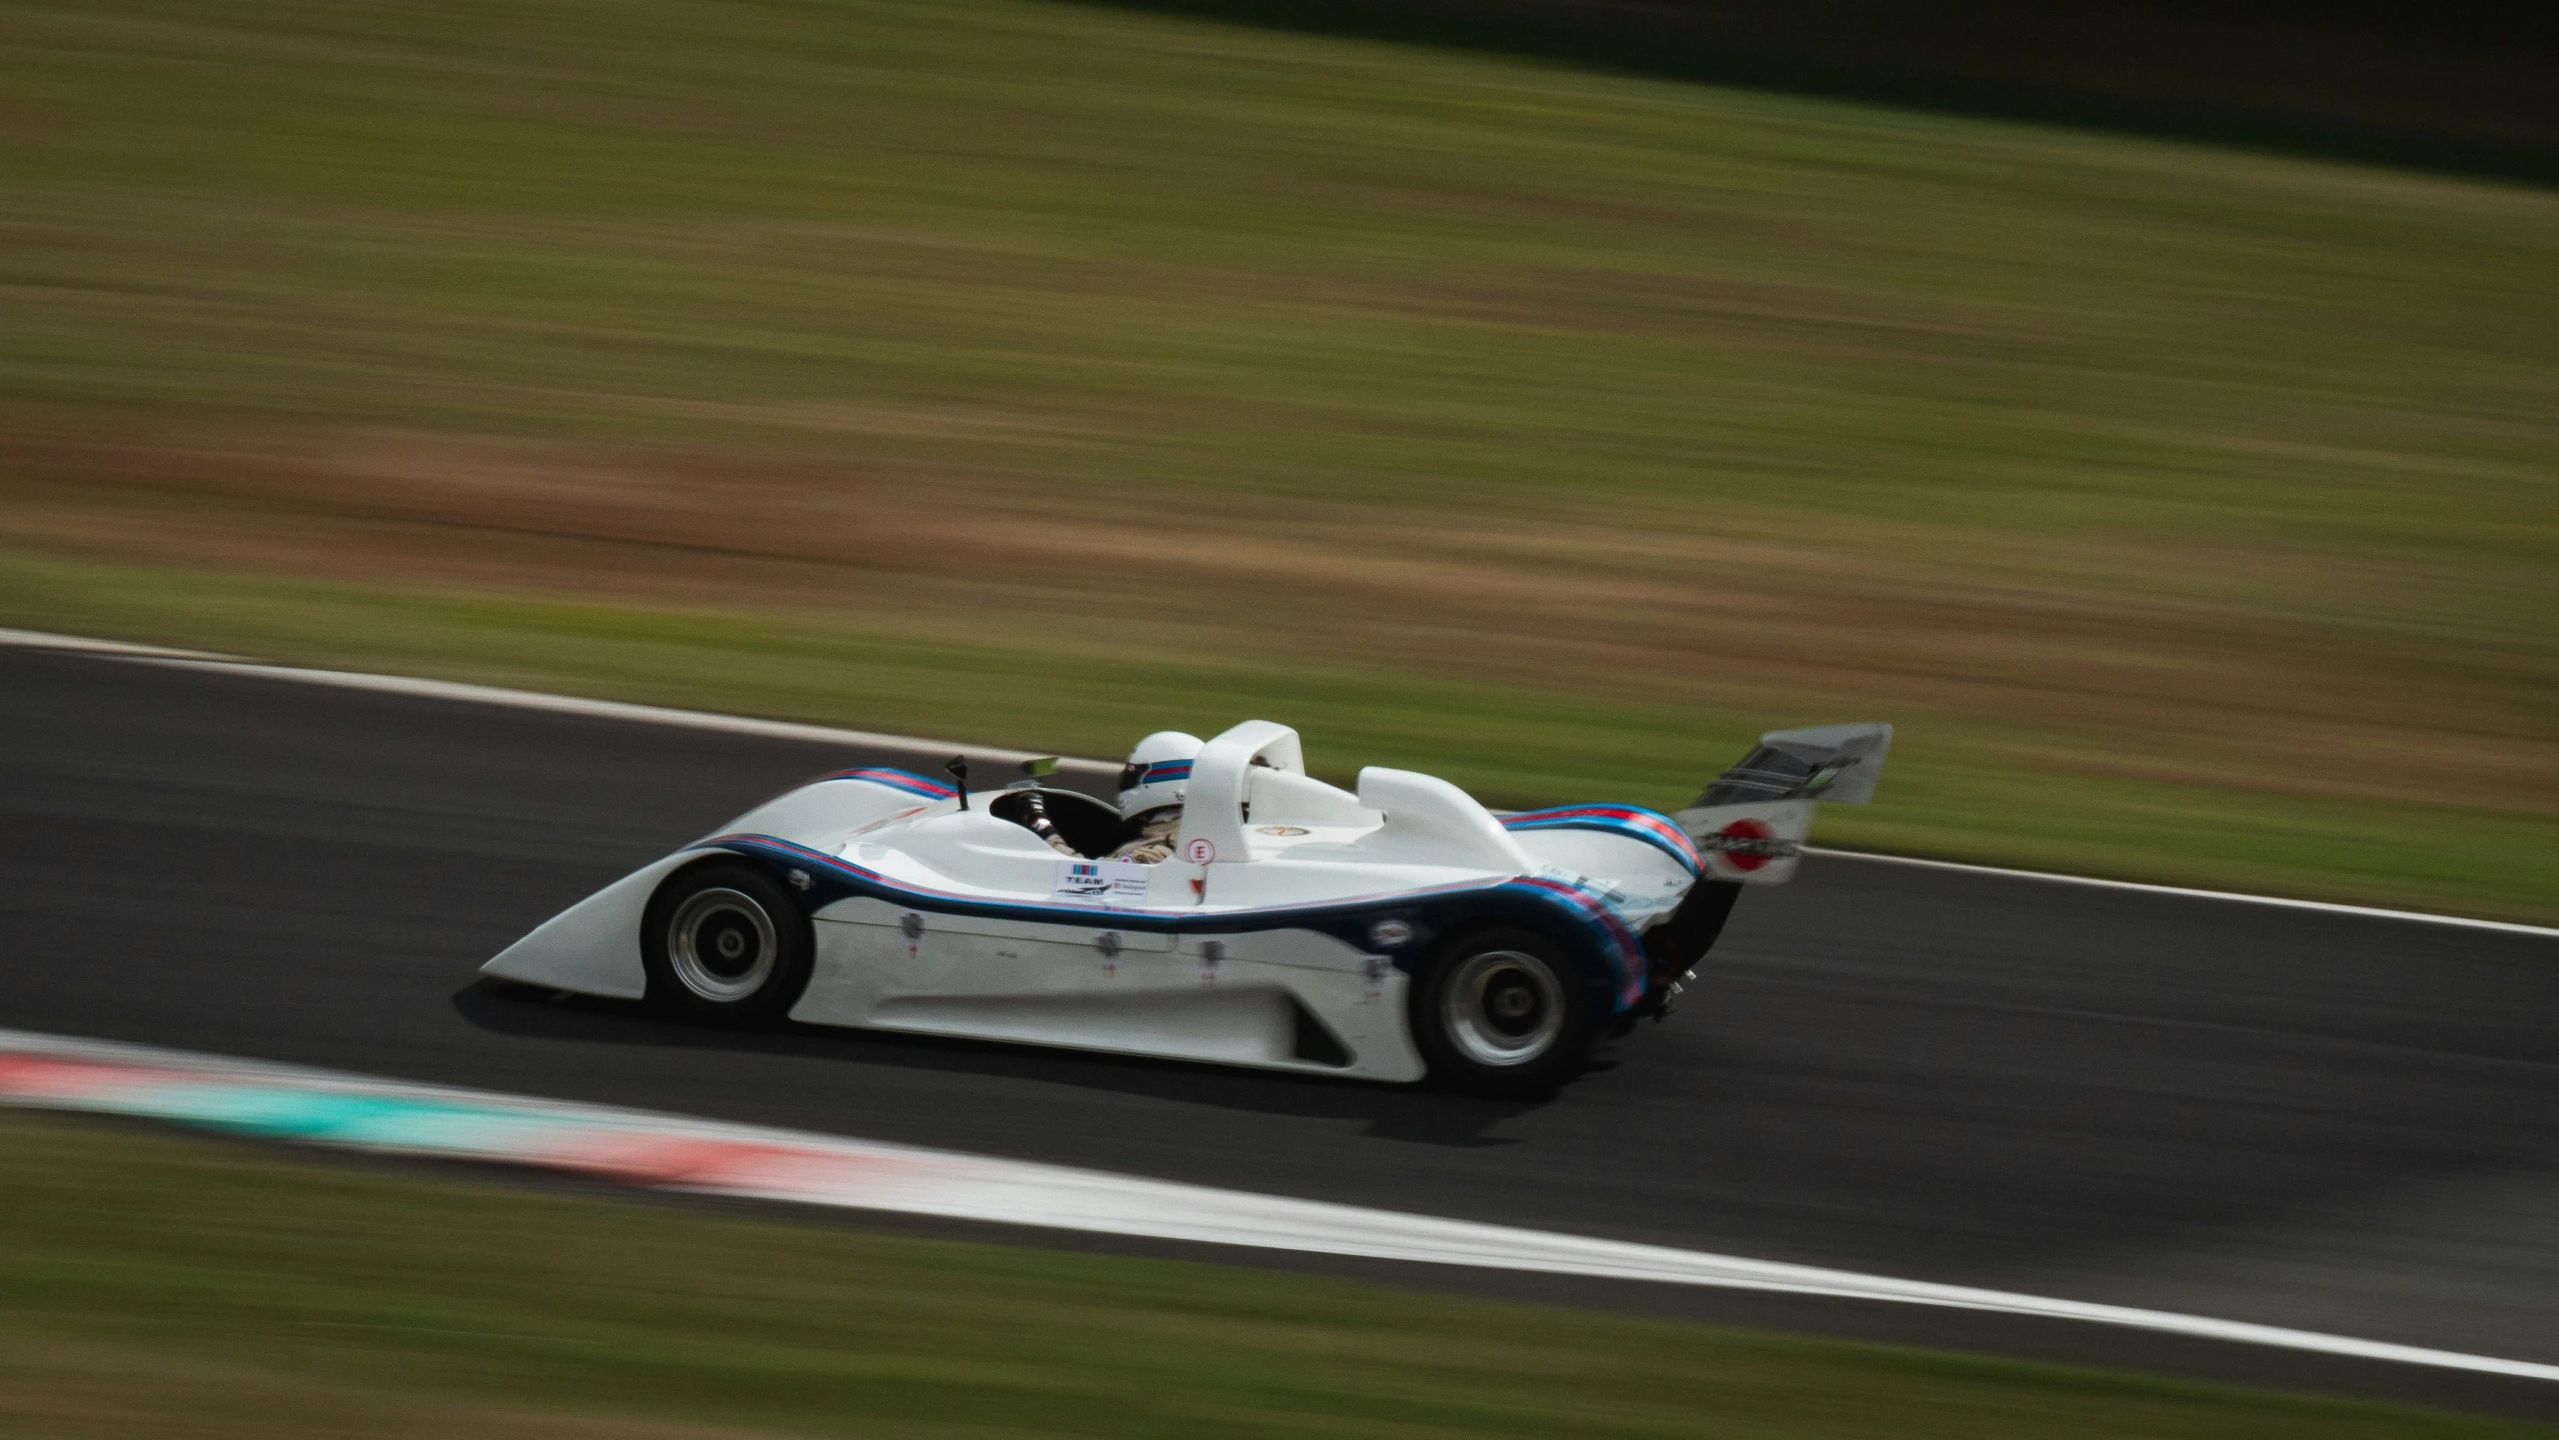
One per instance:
(1503,1012)
(722,942)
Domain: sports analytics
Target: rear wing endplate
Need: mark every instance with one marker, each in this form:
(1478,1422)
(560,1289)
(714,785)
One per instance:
(1750,823)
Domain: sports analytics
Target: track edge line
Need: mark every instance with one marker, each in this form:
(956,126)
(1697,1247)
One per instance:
(634,712)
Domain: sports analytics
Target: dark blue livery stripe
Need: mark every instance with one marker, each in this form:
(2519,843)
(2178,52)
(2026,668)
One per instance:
(1650,826)
(1556,908)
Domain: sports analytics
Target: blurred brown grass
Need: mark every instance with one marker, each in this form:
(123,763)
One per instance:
(2156,492)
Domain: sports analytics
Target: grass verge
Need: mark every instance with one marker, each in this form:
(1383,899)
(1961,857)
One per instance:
(154,1283)
(1956,790)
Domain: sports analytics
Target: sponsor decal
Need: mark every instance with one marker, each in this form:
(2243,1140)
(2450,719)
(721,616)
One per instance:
(1388,934)
(1279,830)
(1747,844)
(1107,881)
(1201,851)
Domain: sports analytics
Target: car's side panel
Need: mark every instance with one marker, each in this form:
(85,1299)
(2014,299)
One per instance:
(1096,985)
(875,956)
(1231,1025)
(1356,995)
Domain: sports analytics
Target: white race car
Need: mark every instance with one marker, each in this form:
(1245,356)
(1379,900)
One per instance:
(1396,933)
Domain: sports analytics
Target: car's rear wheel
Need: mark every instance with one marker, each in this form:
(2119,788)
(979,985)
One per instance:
(722,942)
(1503,1012)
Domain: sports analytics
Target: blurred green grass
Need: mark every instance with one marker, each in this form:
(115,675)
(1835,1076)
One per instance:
(1506,747)
(1046,374)
(153,1284)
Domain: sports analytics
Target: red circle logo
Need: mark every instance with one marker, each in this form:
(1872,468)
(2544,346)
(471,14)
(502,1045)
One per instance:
(1745,846)
(1201,851)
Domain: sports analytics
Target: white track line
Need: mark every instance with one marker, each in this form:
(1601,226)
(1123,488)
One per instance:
(2364,912)
(619,710)
(711,1157)
(830,735)
(532,700)
(41,640)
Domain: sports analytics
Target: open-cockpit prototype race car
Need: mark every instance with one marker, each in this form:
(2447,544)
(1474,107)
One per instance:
(1392,933)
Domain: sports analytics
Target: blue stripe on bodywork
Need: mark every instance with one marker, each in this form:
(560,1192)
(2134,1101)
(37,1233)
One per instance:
(906,780)
(1633,821)
(1581,922)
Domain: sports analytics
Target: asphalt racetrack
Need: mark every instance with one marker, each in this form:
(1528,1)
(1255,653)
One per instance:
(2329,1122)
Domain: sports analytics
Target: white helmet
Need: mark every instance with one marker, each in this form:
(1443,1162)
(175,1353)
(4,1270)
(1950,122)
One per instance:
(1158,772)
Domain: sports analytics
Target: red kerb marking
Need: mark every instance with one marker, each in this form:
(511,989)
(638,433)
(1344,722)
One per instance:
(34,1075)
(702,1160)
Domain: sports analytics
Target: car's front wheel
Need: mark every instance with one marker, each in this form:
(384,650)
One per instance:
(1503,1012)
(722,942)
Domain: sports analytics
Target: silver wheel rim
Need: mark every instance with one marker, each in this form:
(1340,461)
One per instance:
(1503,1007)
(721,944)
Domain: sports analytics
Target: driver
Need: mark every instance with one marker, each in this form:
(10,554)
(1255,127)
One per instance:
(1151,789)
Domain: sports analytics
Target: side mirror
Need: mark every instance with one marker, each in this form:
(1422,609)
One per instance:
(958,766)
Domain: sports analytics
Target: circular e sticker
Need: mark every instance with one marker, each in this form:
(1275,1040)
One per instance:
(1200,851)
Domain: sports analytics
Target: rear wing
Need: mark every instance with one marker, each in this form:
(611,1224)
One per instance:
(1750,823)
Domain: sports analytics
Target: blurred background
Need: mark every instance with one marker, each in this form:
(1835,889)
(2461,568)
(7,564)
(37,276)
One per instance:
(2153,412)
